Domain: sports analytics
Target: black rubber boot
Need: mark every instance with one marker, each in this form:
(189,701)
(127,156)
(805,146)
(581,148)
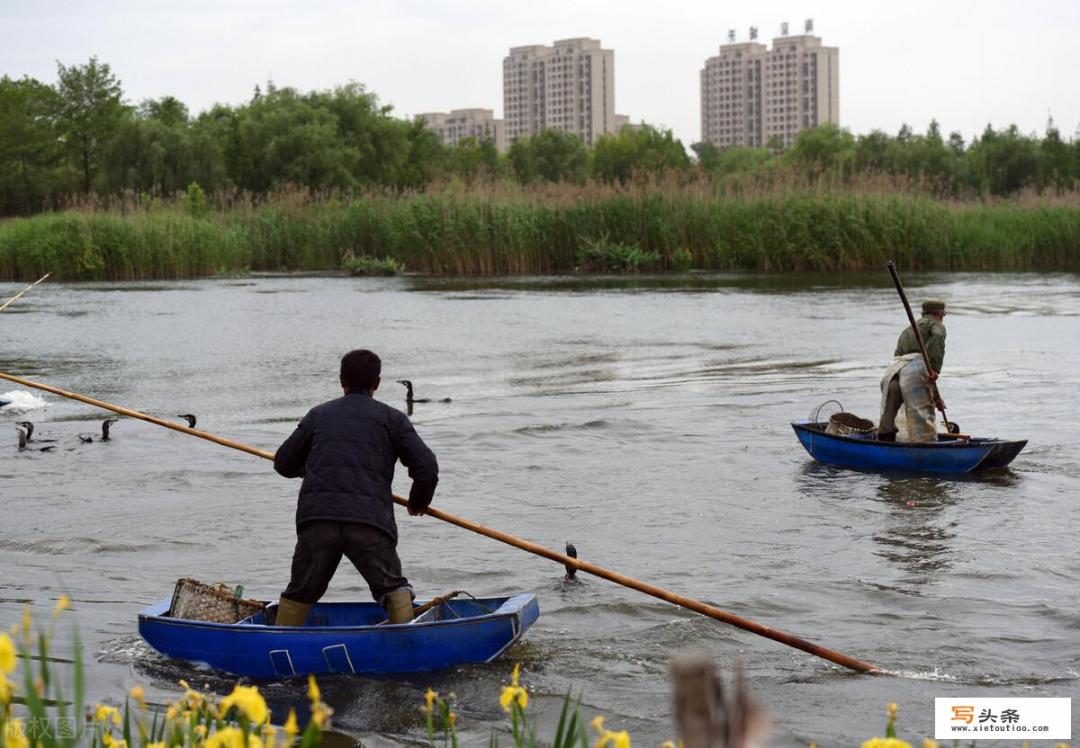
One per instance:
(886,436)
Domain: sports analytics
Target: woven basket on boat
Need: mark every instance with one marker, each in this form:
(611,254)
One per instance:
(216,603)
(848,424)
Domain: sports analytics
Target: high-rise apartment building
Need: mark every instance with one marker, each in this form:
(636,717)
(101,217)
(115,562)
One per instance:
(751,94)
(459,124)
(569,86)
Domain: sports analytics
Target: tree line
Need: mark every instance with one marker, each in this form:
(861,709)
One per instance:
(78,137)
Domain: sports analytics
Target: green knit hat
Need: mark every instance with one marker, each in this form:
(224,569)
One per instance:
(933,306)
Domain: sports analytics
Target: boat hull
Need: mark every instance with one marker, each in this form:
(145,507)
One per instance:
(343,638)
(946,457)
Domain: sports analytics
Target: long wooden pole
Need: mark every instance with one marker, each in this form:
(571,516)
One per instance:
(649,589)
(16,297)
(918,337)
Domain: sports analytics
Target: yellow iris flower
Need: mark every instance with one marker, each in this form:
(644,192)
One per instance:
(290,727)
(14,736)
(313,692)
(229,737)
(249,702)
(885,743)
(513,695)
(320,716)
(104,714)
(7,654)
(615,739)
(62,603)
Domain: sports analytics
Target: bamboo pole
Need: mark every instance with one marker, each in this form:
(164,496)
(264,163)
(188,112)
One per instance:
(16,297)
(635,584)
(918,337)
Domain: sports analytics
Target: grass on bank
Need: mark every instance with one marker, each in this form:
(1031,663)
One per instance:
(551,230)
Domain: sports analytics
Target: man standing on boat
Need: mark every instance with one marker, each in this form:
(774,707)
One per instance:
(908,383)
(345,450)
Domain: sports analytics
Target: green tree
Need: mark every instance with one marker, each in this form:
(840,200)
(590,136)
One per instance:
(551,155)
(638,150)
(29,155)
(167,110)
(1004,162)
(823,147)
(88,110)
(1056,160)
(426,159)
(708,156)
(472,158)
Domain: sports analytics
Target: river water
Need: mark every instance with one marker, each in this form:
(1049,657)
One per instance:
(644,419)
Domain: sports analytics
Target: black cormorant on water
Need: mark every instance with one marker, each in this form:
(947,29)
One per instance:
(189,418)
(24,438)
(409,394)
(88,438)
(571,551)
(30,432)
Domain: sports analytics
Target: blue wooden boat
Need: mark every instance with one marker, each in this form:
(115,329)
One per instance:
(344,638)
(947,456)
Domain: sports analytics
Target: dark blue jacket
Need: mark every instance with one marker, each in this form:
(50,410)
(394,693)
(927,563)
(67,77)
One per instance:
(345,451)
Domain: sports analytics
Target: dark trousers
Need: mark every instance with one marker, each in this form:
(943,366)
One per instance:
(319,548)
(894,398)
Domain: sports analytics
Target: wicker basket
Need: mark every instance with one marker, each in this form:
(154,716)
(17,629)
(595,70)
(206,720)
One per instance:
(849,424)
(194,601)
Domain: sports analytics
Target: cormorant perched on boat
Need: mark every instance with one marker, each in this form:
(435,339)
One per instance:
(409,394)
(88,438)
(23,438)
(189,418)
(571,551)
(30,432)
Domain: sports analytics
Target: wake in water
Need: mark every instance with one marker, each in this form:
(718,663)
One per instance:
(20,401)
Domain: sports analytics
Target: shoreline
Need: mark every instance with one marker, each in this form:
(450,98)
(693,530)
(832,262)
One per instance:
(446,234)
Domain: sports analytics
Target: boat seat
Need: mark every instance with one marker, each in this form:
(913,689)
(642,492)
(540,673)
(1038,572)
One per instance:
(426,617)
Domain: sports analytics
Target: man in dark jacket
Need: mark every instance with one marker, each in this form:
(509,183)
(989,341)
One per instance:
(345,451)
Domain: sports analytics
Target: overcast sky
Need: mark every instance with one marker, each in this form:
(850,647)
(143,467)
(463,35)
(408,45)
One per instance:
(965,63)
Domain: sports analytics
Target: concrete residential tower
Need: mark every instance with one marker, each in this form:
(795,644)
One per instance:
(569,86)
(459,124)
(751,94)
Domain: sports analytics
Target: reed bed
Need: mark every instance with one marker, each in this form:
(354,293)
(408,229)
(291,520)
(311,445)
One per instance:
(507,229)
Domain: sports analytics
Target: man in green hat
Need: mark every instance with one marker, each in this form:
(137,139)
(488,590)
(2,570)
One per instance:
(907,383)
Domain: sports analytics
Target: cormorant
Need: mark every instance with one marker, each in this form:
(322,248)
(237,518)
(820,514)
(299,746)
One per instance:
(571,551)
(189,418)
(30,432)
(23,438)
(88,438)
(409,394)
